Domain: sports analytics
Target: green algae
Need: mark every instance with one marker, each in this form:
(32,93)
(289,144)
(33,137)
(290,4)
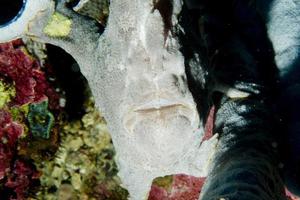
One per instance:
(164,182)
(19,112)
(40,119)
(7,92)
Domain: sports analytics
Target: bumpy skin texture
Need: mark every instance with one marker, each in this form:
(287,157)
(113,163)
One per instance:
(246,164)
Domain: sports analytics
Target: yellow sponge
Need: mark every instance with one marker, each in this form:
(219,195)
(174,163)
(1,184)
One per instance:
(58,26)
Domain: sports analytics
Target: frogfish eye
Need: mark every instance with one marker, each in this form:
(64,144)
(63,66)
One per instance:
(10,10)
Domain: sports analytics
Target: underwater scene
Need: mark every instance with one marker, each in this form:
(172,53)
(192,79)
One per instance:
(149,100)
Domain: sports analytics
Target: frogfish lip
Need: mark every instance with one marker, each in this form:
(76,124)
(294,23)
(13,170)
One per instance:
(159,110)
(157,105)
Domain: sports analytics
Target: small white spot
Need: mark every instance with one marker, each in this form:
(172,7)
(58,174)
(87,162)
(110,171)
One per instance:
(62,102)
(231,92)
(281,165)
(274,144)
(4,140)
(234,93)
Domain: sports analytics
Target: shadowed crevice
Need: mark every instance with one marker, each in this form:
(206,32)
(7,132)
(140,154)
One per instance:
(165,8)
(70,79)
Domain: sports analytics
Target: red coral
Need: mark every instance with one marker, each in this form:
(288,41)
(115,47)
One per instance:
(9,130)
(30,82)
(9,133)
(14,173)
(20,178)
(157,193)
(183,188)
(31,86)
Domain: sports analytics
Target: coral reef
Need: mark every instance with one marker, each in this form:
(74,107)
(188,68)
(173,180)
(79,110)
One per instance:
(83,167)
(24,91)
(7,92)
(181,187)
(17,175)
(29,81)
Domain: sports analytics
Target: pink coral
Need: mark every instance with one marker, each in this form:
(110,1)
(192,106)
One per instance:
(183,188)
